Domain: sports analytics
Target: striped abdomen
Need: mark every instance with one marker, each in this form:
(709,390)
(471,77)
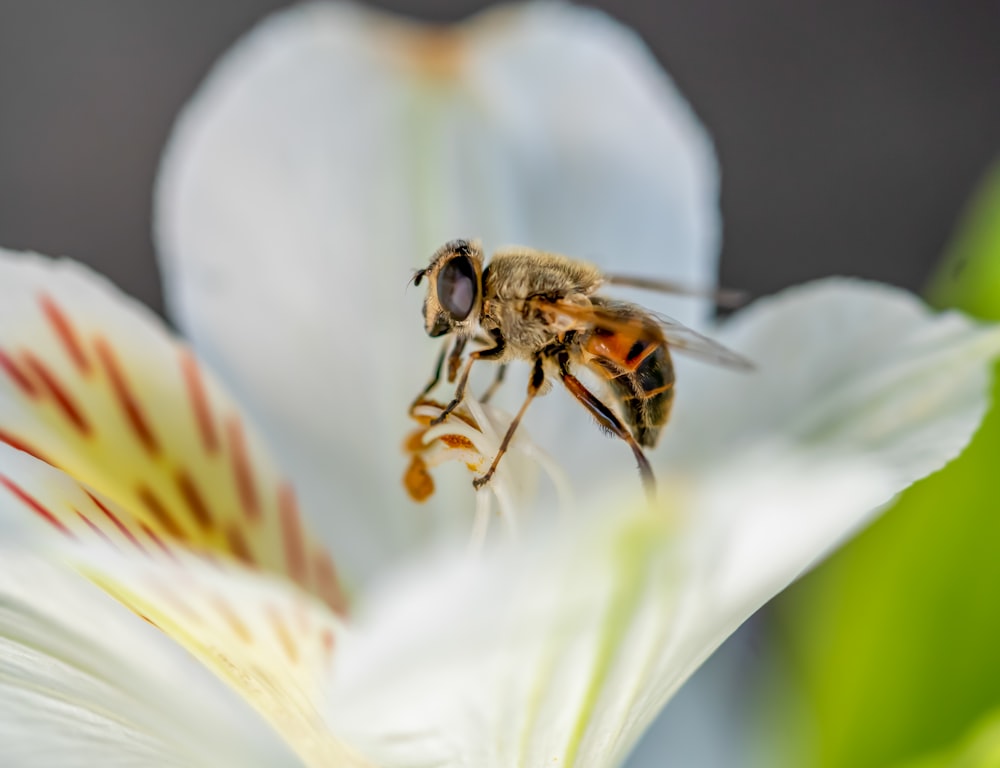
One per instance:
(640,373)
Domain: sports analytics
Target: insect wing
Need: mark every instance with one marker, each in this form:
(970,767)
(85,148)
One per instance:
(640,323)
(727,298)
(688,340)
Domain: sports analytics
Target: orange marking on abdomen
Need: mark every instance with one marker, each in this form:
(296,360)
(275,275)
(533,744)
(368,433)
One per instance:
(199,401)
(242,471)
(65,332)
(328,583)
(19,377)
(16,442)
(159,512)
(117,522)
(58,393)
(195,501)
(618,346)
(291,531)
(35,506)
(126,399)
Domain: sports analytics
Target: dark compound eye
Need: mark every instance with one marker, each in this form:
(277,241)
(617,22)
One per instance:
(456,287)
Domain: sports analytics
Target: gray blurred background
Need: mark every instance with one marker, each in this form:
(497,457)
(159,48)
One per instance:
(850,133)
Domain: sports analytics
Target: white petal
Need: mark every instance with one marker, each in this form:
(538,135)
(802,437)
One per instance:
(92,382)
(334,148)
(85,682)
(562,652)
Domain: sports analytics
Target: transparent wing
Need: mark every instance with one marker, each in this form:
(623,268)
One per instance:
(728,298)
(613,316)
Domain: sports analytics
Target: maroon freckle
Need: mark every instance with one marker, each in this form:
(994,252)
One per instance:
(328,583)
(199,401)
(242,470)
(95,529)
(19,377)
(65,332)
(35,506)
(58,393)
(291,531)
(127,401)
(327,639)
(151,535)
(157,509)
(231,618)
(16,442)
(238,545)
(195,501)
(282,633)
(116,521)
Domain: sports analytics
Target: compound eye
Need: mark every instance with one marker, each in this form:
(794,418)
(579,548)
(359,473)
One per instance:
(456,287)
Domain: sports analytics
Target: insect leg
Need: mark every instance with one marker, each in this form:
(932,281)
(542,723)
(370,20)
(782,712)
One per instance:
(534,385)
(607,419)
(463,379)
(497,381)
(436,376)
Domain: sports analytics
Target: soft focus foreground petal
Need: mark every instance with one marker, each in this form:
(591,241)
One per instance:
(270,641)
(565,650)
(84,682)
(335,148)
(842,366)
(91,382)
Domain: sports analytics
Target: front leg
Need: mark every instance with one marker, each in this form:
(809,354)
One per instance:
(493,353)
(454,358)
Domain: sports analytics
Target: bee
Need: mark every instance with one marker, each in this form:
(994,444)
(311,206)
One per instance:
(546,308)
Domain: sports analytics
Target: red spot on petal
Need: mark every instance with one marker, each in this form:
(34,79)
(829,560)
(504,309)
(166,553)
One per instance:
(232,619)
(65,332)
(127,400)
(242,470)
(116,521)
(199,401)
(291,532)
(95,529)
(58,393)
(159,511)
(35,506)
(238,545)
(15,374)
(160,543)
(195,501)
(282,633)
(21,445)
(326,637)
(328,583)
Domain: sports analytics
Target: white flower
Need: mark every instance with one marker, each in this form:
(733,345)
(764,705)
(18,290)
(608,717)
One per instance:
(325,157)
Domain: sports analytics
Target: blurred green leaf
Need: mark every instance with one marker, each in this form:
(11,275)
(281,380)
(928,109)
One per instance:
(980,748)
(893,646)
(969,275)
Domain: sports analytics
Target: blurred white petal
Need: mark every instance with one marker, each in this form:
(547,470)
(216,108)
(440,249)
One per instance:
(566,649)
(334,148)
(92,382)
(271,642)
(84,682)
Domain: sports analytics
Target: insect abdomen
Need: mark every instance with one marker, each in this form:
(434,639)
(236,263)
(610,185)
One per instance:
(642,380)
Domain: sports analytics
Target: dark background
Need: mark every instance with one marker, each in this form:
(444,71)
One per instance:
(850,133)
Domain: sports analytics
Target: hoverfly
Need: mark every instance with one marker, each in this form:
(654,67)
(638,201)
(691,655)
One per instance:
(545,308)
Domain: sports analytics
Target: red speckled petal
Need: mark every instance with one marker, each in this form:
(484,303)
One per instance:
(92,383)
